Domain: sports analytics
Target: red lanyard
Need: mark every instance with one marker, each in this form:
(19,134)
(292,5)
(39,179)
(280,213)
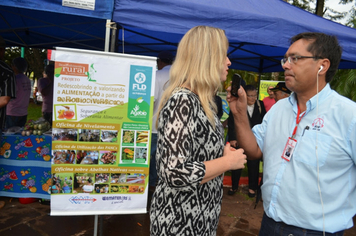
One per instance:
(297,122)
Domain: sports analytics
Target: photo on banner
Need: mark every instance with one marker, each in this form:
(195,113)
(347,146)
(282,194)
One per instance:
(102,119)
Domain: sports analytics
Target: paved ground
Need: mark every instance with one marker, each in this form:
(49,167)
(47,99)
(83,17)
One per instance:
(238,217)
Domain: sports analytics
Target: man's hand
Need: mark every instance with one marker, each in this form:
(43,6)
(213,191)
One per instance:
(4,100)
(237,105)
(233,143)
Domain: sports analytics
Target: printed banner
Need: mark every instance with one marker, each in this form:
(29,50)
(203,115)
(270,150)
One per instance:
(102,117)
(264,84)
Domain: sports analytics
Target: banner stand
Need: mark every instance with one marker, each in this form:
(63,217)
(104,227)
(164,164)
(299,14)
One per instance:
(101,225)
(106,49)
(95,225)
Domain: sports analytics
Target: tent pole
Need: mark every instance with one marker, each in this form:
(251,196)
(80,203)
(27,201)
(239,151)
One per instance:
(107,35)
(113,40)
(96,225)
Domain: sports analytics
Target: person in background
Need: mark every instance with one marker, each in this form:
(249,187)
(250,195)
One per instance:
(312,189)
(66,188)
(164,62)
(191,156)
(45,86)
(231,138)
(17,108)
(280,91)
(7,90)
(219,105)
(34,95)
(72,157)
(269,101)
(256,111)
(55,188)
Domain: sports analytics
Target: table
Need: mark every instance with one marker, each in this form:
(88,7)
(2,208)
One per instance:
(25,166)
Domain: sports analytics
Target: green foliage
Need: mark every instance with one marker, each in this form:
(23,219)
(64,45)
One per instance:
(35,58)
(303,4)
(34,111)
(327,12)
(344,83)
(352,21)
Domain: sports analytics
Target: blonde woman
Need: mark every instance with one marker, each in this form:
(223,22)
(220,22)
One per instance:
(191,156)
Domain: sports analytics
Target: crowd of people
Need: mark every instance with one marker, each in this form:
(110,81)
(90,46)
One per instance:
(64,157)
(60,185)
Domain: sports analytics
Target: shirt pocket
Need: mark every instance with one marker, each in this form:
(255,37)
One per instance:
(306,148)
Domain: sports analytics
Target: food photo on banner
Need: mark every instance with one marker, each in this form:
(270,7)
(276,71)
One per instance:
(102,119)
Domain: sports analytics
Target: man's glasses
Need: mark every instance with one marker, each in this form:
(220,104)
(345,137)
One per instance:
(294,59)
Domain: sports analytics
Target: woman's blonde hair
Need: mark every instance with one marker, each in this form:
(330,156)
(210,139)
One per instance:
(198,65)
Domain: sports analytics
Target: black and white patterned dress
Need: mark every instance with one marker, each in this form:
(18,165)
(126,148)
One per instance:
(180,205)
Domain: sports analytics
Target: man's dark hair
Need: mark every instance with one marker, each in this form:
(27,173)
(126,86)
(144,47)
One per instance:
(49,70)
(324,46)
(167,61)
(20,64)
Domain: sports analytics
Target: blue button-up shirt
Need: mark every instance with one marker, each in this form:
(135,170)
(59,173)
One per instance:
(326,147)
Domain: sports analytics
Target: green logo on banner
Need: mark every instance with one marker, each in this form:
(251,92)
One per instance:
(139,93)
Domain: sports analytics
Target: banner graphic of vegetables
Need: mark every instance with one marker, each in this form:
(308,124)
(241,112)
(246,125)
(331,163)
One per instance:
(128,137)
(128,154)
(142,137)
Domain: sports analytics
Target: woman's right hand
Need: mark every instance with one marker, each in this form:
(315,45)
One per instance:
(234,157)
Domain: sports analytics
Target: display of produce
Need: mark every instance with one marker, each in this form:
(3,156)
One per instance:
(37,127)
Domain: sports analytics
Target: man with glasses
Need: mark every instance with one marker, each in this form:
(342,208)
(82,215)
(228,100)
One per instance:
(312,189)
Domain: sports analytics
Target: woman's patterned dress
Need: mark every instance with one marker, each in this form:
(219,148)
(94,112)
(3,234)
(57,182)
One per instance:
(180,204)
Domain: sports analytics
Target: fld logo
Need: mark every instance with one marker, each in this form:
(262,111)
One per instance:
(318,123)
(140,78)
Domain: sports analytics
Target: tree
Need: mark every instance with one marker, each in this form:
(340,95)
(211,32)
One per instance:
(320,8)
(344,80)
(344,83)
(35,57)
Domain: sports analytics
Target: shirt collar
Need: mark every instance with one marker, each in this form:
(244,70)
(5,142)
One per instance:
(311,103)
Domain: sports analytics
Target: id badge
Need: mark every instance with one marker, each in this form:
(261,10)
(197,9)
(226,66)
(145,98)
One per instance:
(288,149)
